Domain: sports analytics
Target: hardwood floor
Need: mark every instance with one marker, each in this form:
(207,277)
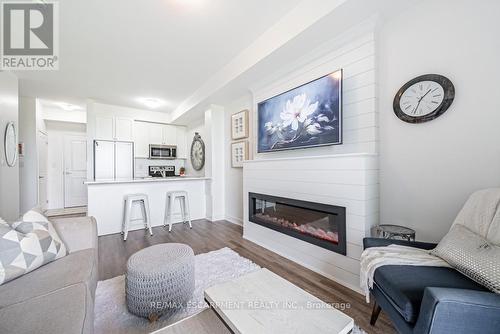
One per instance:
(207,236)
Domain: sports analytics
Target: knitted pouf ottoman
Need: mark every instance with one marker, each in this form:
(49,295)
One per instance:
(159,280)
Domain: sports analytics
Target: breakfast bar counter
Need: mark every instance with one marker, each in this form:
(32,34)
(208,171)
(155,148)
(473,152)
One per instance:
(106,199)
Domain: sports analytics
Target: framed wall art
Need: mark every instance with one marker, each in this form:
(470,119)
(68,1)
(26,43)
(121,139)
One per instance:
(239,153)
(239,125)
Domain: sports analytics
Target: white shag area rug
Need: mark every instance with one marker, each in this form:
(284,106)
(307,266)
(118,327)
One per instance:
(112,316)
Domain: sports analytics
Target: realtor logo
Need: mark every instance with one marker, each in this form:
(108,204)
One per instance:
(29,38)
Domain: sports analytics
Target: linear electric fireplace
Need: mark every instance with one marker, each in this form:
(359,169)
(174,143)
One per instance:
(319,224)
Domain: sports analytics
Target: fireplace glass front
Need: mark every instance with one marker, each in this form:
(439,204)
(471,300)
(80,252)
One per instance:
(317,223)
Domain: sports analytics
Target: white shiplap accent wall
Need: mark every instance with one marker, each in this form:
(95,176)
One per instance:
(348,180)
(344,175)
(360,116)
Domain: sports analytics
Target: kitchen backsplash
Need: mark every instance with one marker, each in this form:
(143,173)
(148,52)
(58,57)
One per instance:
(142,165)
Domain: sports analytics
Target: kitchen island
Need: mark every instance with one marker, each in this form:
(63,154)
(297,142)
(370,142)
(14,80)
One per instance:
(106,200)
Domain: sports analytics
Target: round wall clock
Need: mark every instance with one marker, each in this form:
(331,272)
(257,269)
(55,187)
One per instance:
(424,98)
(197,152)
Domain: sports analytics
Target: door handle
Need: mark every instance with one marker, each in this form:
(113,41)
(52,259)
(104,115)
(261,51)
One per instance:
(67,173)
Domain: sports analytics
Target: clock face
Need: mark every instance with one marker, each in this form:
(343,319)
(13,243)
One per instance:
(422,98)
(197,153)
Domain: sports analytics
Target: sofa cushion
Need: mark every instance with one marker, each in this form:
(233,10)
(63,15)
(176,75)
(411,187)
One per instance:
(65,311)
(77,233)
(404,286)
(472,255)
(78,267)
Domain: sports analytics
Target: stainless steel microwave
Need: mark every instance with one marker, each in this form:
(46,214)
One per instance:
(162,151)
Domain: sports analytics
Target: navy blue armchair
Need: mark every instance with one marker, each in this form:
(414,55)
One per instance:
(421,300)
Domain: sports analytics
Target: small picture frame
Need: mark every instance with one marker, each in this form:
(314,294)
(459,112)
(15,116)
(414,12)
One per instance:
(239,125)
(239,153)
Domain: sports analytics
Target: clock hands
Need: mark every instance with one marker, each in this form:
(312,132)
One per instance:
(424,95)
(420,100)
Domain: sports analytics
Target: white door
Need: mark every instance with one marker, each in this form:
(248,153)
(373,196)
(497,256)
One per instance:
(104,162)
(75,171)
(124,161)
(42,147)
(124,129)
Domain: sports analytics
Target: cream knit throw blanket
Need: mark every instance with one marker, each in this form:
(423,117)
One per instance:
(375,257)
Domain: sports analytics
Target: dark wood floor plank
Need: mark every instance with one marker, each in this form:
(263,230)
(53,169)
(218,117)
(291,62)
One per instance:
(208,236)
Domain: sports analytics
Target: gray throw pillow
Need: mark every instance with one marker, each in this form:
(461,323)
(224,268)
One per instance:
(472,255)
(35,215)
(25,248)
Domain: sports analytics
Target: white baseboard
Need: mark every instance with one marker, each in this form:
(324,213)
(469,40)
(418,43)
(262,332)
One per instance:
(234,220)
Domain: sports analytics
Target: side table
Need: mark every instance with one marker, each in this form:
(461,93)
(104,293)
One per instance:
(389,231)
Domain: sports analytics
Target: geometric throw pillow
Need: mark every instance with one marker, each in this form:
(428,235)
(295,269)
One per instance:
(21,252)
(35,216)
(472,255)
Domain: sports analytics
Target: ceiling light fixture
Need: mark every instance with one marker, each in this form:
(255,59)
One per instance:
(151,102)
(68,106)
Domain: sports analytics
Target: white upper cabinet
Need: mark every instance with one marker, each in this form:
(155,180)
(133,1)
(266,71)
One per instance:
(181,142)
(156,133)
(124,129)
(104,128)
(169,135)
(141,139)
(113,128)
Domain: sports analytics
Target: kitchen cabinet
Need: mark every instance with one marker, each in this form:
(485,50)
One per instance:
(123,129)
(146,133)
(104,128)
(155,133)
(169,135)
(113,128)
(141,139)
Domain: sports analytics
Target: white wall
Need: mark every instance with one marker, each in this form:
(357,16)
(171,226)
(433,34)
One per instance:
(55,181)
(28,163)
(56,114)
(9,176)
(428,170)
(234,176)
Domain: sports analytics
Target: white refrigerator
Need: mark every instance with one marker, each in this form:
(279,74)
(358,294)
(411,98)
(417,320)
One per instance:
(113,160)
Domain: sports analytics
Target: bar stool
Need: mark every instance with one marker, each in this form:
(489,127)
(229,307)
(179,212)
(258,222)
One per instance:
(144,203)
(169,208)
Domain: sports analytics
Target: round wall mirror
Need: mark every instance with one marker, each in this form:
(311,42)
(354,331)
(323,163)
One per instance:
(10,144)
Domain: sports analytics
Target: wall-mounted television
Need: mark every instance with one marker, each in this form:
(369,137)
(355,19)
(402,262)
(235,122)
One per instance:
(306,116)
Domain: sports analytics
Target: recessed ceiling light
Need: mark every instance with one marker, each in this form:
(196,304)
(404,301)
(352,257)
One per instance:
(68,106)
(151,102)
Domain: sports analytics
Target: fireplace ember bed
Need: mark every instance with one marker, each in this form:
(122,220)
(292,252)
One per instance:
(320,224)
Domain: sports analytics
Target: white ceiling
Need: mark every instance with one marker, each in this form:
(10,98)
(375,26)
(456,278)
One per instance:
(116,51)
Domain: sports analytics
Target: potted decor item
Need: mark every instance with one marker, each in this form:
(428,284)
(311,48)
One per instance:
(182,171)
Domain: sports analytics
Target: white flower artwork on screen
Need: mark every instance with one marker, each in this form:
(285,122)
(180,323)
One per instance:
(309,115)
